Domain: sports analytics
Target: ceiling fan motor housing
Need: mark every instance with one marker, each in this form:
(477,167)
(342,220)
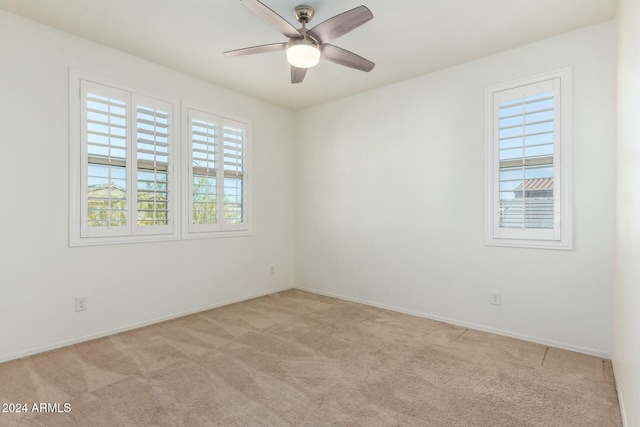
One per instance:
(303,14)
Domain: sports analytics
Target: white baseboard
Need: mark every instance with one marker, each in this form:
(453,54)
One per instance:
(550,343)
(623,412)
(65,343)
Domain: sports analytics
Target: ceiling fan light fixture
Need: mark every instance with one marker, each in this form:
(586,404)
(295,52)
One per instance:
(303,53)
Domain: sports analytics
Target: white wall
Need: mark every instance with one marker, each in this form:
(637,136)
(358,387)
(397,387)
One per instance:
(389,200)
(40,276)
(626,319)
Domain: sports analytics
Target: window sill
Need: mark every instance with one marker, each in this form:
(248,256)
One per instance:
(530,244)
(119,240)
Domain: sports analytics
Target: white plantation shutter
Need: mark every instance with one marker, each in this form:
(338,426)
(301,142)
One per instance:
(218,174)
(204,173)
(527,149)
(527,163)
(126,188)
(154,180)
(235,139)
(105,144)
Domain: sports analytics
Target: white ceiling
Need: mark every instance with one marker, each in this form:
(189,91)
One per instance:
(406,38)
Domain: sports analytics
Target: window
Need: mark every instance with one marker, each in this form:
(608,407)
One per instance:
(527,162)
(125,168)
(218,188)
(123,185)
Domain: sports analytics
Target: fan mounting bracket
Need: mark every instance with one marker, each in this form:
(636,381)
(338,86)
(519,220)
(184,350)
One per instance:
(303,14)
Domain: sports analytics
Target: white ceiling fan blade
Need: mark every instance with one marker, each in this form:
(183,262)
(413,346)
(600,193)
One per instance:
(344,57)
(256,49)
(273,19)
(341,24)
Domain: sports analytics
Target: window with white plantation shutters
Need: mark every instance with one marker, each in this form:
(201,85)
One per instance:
(526,137)
(130,167)
(122,184)
(527,163)
(218,155)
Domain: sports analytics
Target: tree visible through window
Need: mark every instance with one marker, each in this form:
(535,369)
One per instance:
(204,156)
(134,177)
(153,166)
(218,155)
(126,188)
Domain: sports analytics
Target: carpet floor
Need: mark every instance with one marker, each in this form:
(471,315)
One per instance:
(299,359)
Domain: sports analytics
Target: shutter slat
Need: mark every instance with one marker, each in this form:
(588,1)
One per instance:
(199,150)
(152,112)
(150,166)
(232,131)
(234,156)
(108,145)
(152,142)
(106,123)
(111,114)
(204,172)
(155,134)
(520,125)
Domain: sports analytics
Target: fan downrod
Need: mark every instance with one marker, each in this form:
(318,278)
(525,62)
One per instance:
(303,14)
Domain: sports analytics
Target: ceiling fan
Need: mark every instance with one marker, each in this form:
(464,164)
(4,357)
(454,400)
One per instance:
(305,46)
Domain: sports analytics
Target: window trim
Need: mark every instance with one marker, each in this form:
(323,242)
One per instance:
(565,240)
(78,167)
(214,231)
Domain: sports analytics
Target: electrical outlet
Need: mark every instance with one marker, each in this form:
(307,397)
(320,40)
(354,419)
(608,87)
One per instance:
(272,270)
(81,303)
(495,298)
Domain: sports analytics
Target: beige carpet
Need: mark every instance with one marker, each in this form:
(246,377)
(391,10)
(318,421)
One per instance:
(300,359)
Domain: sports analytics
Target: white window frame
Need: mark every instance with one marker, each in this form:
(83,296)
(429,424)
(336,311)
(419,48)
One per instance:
(560,237)
(220,229)
(79,233)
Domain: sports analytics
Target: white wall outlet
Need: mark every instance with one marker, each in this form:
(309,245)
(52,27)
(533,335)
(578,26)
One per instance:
(495,298)
(81,303)
(272,269)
